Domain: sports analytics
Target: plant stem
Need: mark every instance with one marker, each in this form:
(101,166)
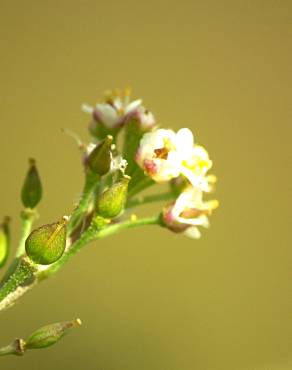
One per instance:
(150,199)
(27,218)
(141,185)
(91,182)
(30,274)
(17,347)
(23,272)
(115,228)
(92,234)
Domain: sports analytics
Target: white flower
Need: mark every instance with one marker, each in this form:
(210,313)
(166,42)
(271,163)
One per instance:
(113,112)
(145,118)
(188,212)
(158,156)
(164,155)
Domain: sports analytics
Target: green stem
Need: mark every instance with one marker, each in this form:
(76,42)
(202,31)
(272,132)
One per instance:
(150,199)
(115,228)
(141,185)
(26,272)
(23,272)
(132,137)
(91,182)
(27,218)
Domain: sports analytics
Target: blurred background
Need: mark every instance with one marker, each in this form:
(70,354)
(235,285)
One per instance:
(150,299)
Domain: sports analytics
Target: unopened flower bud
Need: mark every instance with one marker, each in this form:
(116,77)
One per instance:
(4,241)
(110,116)
(50,334)
(31,192)
(145,119)
(99,159)
(112,201)
(46,244)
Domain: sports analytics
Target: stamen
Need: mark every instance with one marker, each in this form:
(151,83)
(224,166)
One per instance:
(161,153)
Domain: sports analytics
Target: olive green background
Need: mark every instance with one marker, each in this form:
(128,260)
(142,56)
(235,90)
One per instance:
(149,299)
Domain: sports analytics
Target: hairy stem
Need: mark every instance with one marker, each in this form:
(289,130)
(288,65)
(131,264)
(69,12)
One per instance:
(27,218)
(24,271)
(139,186)
(93,233)
(27,275)
(91,182)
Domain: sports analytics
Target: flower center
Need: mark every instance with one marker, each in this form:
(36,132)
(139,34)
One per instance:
(161,153)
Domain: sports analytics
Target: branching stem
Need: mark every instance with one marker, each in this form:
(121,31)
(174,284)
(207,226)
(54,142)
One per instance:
(91,182)
(91,234)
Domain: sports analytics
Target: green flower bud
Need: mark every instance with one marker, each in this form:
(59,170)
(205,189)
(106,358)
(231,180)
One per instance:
(99,160)
(112,201)
(31,192)
(50,334)
(46,244)
(4,241)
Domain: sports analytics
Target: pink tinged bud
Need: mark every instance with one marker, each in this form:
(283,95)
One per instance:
(144,117)
(150,167)
(170,221)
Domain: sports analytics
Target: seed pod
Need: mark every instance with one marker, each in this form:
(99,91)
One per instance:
(46,244)
(31,192)
(50,334)
(4,241)
(112,201)
(99,160)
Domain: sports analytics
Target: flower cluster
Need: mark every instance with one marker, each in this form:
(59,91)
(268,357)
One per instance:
(127,154)
(165,155)
(162,154)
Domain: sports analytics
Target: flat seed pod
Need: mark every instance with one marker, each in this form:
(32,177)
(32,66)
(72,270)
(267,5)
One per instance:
(3,248)
(50,334)
(31,192)
(99,160)
(46,244)
(112,202)
(4,241)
